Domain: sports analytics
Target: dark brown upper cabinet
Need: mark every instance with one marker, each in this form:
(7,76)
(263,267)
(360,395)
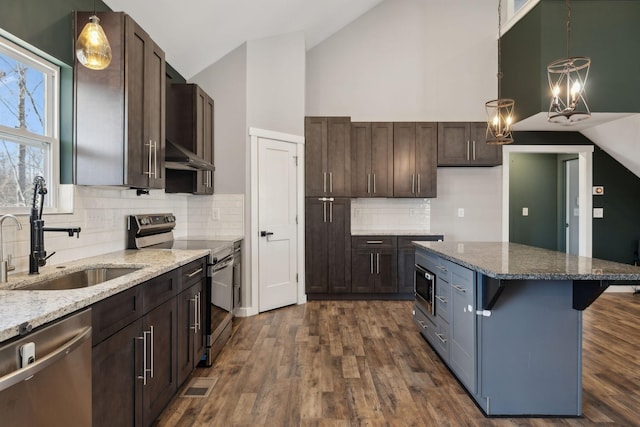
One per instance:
(190,124)
(464,144)
(327,156)
(119,112)
(415,159)
(372,159)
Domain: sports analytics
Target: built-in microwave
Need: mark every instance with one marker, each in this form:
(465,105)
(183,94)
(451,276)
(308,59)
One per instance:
(425,283)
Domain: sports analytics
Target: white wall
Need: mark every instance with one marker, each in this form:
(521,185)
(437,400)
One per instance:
(415,60)
(226,82)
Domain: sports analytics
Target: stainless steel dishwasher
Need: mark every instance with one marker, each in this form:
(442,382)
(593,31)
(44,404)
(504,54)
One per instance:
(45,377)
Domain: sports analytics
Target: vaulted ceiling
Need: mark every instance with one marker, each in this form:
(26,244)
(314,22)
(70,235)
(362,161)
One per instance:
(196,33)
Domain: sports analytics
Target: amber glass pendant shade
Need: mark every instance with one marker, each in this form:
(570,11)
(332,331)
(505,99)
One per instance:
(92,48)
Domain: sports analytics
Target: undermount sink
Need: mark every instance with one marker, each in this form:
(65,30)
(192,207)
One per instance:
(80,279)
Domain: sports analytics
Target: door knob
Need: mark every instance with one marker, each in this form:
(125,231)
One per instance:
(266,233)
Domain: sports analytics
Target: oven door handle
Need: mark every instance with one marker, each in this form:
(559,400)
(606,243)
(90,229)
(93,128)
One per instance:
(428,275)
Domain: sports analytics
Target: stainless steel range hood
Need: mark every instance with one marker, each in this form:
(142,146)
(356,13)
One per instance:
(178,157)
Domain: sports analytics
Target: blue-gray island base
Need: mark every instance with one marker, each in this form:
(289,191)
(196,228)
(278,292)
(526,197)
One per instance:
(507,320)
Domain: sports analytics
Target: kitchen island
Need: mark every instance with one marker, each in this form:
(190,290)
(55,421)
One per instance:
(507,320)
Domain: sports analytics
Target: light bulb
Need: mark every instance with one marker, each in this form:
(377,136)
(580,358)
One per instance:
(556,91)
(509,120)
(92,48)
(496,120)
(575,89)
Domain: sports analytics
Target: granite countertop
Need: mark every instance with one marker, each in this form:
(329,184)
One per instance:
(39,307)
(394,233)
(513,261)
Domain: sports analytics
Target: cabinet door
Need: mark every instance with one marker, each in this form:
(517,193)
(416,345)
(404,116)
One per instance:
(116,388)
(139,147)
(315,154)
(483,154)
(386,271)
(426,159)
(361,159)
(406,261)
(339,246)
(316,244)
(162,384)
(404,160)
(206,177)
(154,110)
(338,157)
(362,270)
(187,332)
(381,159)
(462,327)
(454,146)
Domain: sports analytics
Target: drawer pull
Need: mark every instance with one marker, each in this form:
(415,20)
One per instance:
(441,338)
(442,300)
(424,325)
(442,268)
(459,288)
(374,242)
(190,275)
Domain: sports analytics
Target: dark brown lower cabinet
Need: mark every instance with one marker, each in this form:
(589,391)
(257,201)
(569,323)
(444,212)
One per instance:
(135,363)
(327,245)
(190,335)
(374,264)
(406,261)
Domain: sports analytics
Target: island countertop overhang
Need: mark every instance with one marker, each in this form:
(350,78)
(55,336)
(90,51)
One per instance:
(513,261)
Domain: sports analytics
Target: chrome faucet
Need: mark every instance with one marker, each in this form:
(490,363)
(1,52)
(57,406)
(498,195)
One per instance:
(37,255)
(5,264)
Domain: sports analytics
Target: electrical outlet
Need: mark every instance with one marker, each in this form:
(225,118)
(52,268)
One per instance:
(598,212)
(215,214)
(460,212)
(525,211)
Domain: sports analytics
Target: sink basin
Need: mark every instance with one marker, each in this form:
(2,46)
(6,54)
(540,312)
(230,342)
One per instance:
(80,279)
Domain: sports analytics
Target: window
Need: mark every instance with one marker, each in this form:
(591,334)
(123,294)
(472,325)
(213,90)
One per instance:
(29,136)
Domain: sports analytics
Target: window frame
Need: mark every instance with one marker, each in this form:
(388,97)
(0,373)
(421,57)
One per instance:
(51,128)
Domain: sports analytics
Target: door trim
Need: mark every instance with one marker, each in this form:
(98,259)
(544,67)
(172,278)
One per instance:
(585,173)
(251,285)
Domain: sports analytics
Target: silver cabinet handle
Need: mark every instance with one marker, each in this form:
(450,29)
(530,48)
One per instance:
(459,288)
(199,307)
(330,182)
(324,209)
(374,183)
(468,149)
(413,183)
(441,268)
(324,182)
(150,145)
(442,300)
(374,242)
(155,159)
(330,212)
(418,183)
(371,262)
(368,183)
(474,150)
(442,338)
(151,347)
(143,377)
(194,300)
(190,275)
(378,263)
(424,325)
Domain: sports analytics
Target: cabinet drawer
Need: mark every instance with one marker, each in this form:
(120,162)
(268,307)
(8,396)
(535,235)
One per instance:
(405,241)
(443,299)
(425,325)
(373,242)
(114,313)
(192,273)
(160,289)
(461,279)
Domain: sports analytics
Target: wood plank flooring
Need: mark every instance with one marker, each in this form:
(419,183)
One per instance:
(363,363)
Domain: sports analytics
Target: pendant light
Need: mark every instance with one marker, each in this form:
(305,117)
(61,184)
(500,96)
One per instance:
(499,111)
(567,81)
(92,48)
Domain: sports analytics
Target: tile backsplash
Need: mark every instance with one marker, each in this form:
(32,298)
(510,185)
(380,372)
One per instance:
(217,216)
(371,215)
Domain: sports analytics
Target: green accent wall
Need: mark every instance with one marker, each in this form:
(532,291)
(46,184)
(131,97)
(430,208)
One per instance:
(46,28)
(607,31)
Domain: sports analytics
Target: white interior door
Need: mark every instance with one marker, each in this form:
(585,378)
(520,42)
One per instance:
(277,249)
(572,207)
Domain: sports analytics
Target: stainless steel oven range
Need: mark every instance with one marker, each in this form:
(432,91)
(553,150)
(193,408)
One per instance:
(156,231)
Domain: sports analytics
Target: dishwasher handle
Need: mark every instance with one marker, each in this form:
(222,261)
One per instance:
(29,371)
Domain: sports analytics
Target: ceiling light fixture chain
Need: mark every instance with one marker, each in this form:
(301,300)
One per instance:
(499,111)
(567,81)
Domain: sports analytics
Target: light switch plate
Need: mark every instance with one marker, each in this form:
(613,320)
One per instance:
(598,212)
(460,212)
(525,211)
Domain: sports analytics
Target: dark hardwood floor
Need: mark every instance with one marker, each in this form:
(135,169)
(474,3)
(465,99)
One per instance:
(363,363)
